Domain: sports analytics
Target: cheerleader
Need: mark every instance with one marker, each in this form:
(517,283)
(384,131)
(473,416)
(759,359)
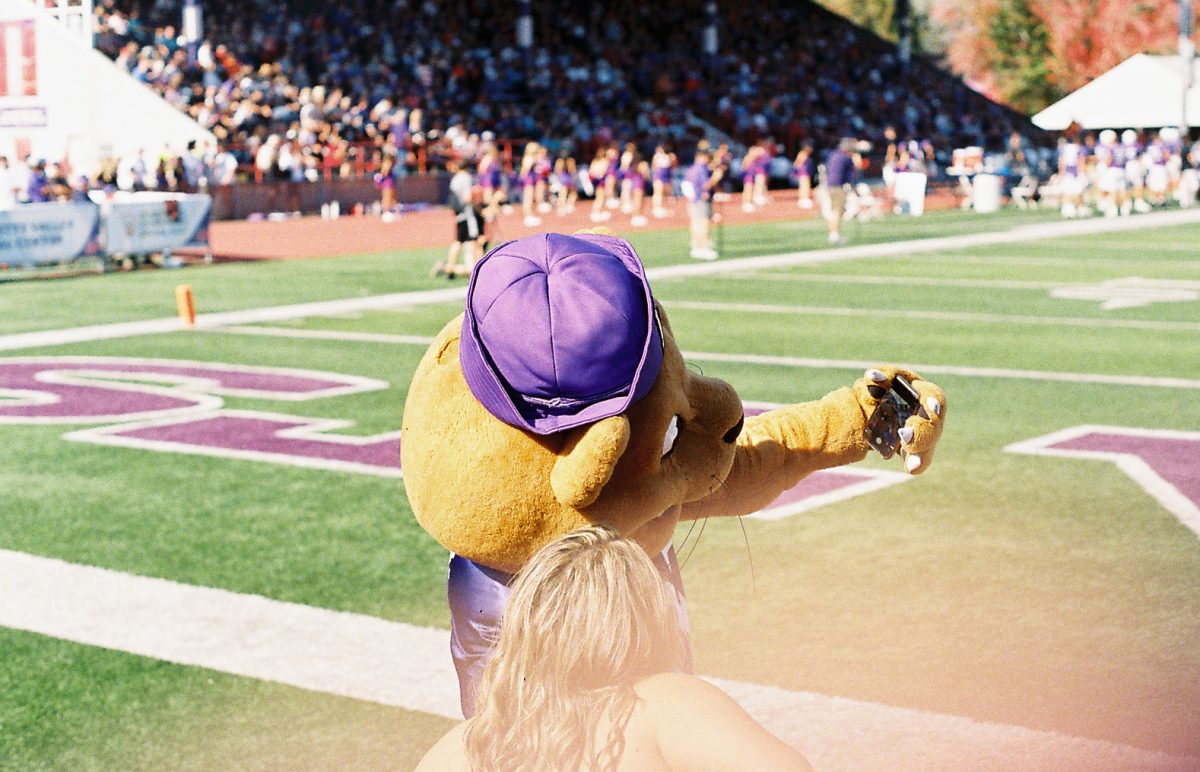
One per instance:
(802,167)
(750,165)
(529,181)
(662,167)
(598,173)
(562,185)
(491,187)
(612,177)
(542,169)
(635,183)
(629,158)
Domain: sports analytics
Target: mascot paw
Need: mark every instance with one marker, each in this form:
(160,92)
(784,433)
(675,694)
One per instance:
(920,433)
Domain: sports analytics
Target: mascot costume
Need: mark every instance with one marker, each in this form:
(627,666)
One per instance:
(560,398)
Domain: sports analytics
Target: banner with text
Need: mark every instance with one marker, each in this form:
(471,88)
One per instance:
(155,222)
(31,234)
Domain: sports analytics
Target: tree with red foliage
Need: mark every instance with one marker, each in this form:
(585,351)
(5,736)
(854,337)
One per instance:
(1029,53)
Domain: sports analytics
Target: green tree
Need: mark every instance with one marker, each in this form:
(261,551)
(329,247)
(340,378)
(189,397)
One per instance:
(1021,56)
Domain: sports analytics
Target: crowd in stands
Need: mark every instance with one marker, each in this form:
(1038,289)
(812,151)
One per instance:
(292,90)
(297,91)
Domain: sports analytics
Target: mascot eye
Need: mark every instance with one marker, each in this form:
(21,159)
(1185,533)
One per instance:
(671,435)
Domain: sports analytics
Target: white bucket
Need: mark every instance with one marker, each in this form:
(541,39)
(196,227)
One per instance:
(986,195)
(910,192)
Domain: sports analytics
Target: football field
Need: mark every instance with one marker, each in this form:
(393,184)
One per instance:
(207,559)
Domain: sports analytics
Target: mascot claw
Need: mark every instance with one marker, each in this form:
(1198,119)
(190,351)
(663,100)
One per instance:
(921,432)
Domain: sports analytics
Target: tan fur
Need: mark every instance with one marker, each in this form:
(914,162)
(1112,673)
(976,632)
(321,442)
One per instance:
(495,494)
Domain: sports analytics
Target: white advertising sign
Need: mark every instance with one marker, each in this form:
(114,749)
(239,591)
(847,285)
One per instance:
(149,222)
(31,234)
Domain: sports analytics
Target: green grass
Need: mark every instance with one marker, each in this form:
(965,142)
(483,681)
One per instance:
(1049,593)
(82,708)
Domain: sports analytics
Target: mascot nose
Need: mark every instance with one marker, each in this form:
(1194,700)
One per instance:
(732,435)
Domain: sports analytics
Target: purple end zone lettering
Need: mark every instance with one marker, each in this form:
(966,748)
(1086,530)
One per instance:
(106,389)
(257,436)
(1175,460)
(1163,462)
(176,407)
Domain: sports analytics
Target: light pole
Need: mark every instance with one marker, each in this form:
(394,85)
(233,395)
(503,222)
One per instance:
(192,27)
(903,16)
(711,40)
(525,33)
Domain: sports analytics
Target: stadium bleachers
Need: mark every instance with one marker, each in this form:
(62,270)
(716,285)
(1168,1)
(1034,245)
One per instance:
(318,84)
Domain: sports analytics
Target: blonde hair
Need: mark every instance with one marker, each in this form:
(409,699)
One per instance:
(589,616)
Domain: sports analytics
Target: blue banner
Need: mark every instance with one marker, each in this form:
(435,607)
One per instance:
(33,234)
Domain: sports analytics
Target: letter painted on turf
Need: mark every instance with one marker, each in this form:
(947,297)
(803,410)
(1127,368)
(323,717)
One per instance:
(1162,462)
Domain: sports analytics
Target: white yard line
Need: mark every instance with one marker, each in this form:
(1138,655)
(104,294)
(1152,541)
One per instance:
(1055,262)
(409,667)
(950,316)
(346,335)
(220,319)
(351,305)
(914,281)
(970,372)
(782,361)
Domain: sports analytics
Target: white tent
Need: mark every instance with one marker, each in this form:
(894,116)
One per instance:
(1143,91)
(61,98)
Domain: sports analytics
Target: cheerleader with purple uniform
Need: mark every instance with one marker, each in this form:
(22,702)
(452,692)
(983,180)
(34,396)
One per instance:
(612,177)
(562,184)
(542,168)
(598,173)
(751,164)
(491,178)
(528,179)
(762,169)
(491,187)
(802,168)
(635,184)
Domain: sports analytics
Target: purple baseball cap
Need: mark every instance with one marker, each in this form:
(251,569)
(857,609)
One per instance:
(560,331)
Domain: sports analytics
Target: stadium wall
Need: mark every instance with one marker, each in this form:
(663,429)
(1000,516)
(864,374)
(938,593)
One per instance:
(237,201)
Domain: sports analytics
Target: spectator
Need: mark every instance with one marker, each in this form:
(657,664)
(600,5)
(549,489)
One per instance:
(841,171)
(403,74)
(698,184)
(36,190)
(467,226)
(585,674)
(8,188)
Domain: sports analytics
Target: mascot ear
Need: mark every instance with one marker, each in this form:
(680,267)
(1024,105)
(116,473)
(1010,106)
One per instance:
(587,460)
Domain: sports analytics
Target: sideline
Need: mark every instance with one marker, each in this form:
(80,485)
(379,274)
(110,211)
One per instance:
(407,666)
(18,341)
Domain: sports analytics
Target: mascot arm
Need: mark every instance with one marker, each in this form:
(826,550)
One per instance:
(779,447)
